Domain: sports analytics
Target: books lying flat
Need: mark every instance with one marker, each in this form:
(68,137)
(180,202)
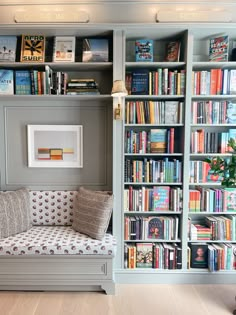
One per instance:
(95,50)
(6,82)
(32,48)
(64,49)
(7,48)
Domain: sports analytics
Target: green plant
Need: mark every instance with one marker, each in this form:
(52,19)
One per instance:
(225,167)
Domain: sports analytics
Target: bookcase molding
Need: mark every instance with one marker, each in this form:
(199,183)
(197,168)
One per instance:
(194,41)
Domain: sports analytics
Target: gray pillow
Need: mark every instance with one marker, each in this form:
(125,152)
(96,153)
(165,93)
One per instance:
(14,212)
(92,212)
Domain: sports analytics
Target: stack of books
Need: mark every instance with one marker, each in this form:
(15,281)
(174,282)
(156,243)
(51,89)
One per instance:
(82,86)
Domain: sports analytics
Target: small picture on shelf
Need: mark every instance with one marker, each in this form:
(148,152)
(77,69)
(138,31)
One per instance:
(64,49)
(6,82)
(219,48)
(32,48)
(144,50)
(172,51)
(7,48)
(199,255)
(95,50)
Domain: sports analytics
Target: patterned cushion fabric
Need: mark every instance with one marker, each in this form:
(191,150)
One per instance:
(56,240)
(52,207)
(14,212)
(92,212)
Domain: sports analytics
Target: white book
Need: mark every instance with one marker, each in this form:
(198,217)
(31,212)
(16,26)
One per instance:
(64,49)
(232,82)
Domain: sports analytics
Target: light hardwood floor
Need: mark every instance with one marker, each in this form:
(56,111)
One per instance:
(129,300)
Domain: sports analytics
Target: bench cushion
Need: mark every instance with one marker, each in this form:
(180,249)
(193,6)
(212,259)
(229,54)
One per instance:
(56,240)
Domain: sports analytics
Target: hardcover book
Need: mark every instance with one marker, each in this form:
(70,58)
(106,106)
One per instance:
(6,82)
(22,82)
(229,199)
(140,82)
(219,48)
(7,48)
(158,139)
(64,49)
(95,50)
(199,255)
(161,198)
(172,51)
(172,112)
(144,258)
(155,228)
(32,48)
(144,50)
(231,113)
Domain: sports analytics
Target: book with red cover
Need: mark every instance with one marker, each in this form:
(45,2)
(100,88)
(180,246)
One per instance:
(219,48)
(172,51)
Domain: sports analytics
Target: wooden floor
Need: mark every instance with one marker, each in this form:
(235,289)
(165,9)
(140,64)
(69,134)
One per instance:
(129,300)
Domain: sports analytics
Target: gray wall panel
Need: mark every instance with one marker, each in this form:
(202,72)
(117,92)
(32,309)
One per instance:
(94,117)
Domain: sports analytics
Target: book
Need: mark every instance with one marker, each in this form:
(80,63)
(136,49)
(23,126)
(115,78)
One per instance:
(232,82)
(172,51)
(144,255)
(140,82)
(231,113)
(64,49)
(95,50)
(155,228)
(199,255)
(161,198)
(32,48)
(6,81)
(172,112)
(7,48)
(219,48)
(22,82)
(229,199)
(158,139)
(144,50)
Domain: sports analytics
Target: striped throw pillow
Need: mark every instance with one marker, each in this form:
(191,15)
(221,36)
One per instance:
(14,212)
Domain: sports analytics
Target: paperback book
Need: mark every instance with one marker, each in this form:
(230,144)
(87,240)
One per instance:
(95,50)
(155,228)
(144,50)
(199,255)
(6,82)
(219,48)
(161,198)
(140,82)
(32,48)
(144,258)
(22,82)
(158,139)
(64,49)
(231,113)
(172,51)
(8,48)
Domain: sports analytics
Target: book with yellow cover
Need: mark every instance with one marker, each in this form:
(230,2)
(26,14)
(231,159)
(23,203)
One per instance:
(32,48)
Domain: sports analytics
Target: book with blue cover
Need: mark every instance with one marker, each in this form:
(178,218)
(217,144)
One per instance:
(8,48)
(6,82)
(158,139)
(95,50)
(22,82)
(144,50)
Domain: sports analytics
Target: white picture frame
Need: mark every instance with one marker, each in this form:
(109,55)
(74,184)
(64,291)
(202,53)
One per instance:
(55,146)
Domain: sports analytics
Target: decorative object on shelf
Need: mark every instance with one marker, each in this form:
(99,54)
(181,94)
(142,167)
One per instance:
(64,49)
(172,51)
(118,90)
(95,50)
(7,48)
(55,146)
(144,50)
(225,167)
(219,48)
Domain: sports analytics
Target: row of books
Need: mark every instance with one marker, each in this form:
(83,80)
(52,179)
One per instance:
(152,141)
(149,255)
(213,112)
(214,82)
(153,171)
(158,198)
(222,228)
(163,81)
(204,199)
(215,257)
(152,112)
(200,172)
(146,228)
(144,50)
(211,142)
(33,48)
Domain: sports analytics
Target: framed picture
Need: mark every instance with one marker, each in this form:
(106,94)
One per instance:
(55,146)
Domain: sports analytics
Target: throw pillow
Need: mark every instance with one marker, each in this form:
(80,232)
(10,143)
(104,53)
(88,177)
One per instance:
(14,212)
(92,212)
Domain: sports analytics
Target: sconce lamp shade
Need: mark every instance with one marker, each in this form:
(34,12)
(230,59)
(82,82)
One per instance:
(118,89)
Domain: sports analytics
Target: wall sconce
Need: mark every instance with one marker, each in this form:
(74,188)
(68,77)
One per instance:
(118,90)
